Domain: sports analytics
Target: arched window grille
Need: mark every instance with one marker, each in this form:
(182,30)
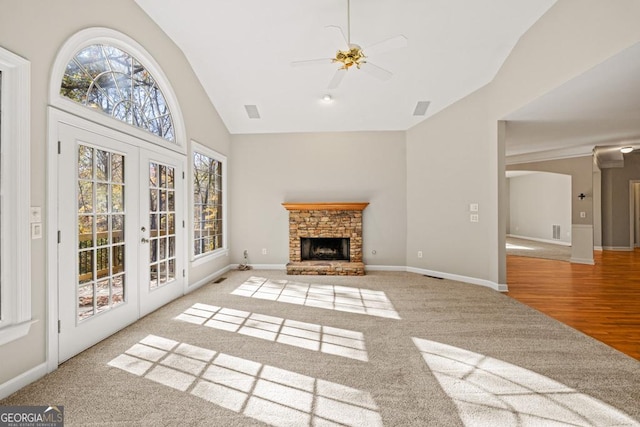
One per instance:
(110,80)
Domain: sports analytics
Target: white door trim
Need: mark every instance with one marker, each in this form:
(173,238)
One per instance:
(56,116)
(632,213)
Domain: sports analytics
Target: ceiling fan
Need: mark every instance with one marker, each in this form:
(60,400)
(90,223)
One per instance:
(351,54)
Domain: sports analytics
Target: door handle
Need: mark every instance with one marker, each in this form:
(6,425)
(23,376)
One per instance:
(143,240)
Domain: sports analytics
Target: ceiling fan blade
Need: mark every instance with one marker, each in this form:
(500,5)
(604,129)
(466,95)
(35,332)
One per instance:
(387,45)
(311,62)
(337,78)
(375,71)
(338,38)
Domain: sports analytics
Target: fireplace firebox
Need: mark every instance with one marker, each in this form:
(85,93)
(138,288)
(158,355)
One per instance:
(324,249)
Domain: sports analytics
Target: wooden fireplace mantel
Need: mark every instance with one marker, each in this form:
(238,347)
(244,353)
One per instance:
(326,206)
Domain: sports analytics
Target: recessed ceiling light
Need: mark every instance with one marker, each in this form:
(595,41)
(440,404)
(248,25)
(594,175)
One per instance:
(626,150)
(327,98)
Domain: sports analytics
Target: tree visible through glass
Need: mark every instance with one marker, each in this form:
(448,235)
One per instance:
(207,204)
(101,213)
(108,79)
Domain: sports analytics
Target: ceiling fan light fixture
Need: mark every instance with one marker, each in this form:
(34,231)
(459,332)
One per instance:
(626,150)
(351,57)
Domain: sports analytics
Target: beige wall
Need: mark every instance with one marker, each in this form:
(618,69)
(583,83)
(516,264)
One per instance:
(581,171)
(36,30)
(540,201)
(267,170)
(452,157)
(448,168)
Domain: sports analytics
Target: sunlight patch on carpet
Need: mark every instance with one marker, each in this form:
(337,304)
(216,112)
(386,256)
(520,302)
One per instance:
(326,339)
(272,395)
(331,297)
(488,391)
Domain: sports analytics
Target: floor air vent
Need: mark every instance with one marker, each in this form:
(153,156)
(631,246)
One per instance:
(221,279)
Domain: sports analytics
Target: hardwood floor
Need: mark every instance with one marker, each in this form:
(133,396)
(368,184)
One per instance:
(601,300)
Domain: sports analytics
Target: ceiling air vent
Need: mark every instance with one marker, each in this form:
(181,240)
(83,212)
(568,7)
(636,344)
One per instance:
(252,111)
(421,108)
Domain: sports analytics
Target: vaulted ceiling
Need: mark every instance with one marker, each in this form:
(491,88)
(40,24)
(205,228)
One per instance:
(242,52)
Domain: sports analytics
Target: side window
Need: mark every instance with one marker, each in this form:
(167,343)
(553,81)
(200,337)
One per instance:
(209,172)
(15,254)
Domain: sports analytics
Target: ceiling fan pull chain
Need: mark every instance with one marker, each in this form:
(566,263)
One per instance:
(349,22)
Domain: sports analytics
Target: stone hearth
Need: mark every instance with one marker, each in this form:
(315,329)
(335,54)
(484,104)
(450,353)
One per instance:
(325,220)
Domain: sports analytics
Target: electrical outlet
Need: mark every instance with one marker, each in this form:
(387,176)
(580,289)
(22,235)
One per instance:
(474,218)
(264,251)
(419,254)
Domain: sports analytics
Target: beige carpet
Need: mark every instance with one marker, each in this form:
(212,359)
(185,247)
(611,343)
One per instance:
(394,349)
(534,249)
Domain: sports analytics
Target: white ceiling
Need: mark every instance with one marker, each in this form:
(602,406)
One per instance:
(600,107)
(242,51)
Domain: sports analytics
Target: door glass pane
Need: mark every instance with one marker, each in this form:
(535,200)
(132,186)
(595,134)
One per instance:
(85,301)
(117,168)
(161,221)
(101,216)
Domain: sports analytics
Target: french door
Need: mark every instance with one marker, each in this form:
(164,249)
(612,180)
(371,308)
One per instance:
(121,247)
(161,231)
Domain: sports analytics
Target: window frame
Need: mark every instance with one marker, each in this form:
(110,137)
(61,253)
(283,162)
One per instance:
(127,89)
(199,259)
(15,145)
(99,35)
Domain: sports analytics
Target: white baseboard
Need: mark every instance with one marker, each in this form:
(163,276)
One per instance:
(618,248)
(472,280)
(582,261)
(208,279)
(369,267)
(553,242)
(399,268)
(23,380)
(269,266)
(597,248)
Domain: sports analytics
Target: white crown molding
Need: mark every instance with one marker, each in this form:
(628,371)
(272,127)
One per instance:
(541,156)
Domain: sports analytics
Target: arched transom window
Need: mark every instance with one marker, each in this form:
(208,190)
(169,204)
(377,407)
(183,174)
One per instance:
(110,80)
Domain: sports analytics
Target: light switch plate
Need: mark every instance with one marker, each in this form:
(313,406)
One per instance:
(473,207)
(36,214)
(36,230)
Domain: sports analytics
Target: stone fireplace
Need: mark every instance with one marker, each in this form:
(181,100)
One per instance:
(325,238)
